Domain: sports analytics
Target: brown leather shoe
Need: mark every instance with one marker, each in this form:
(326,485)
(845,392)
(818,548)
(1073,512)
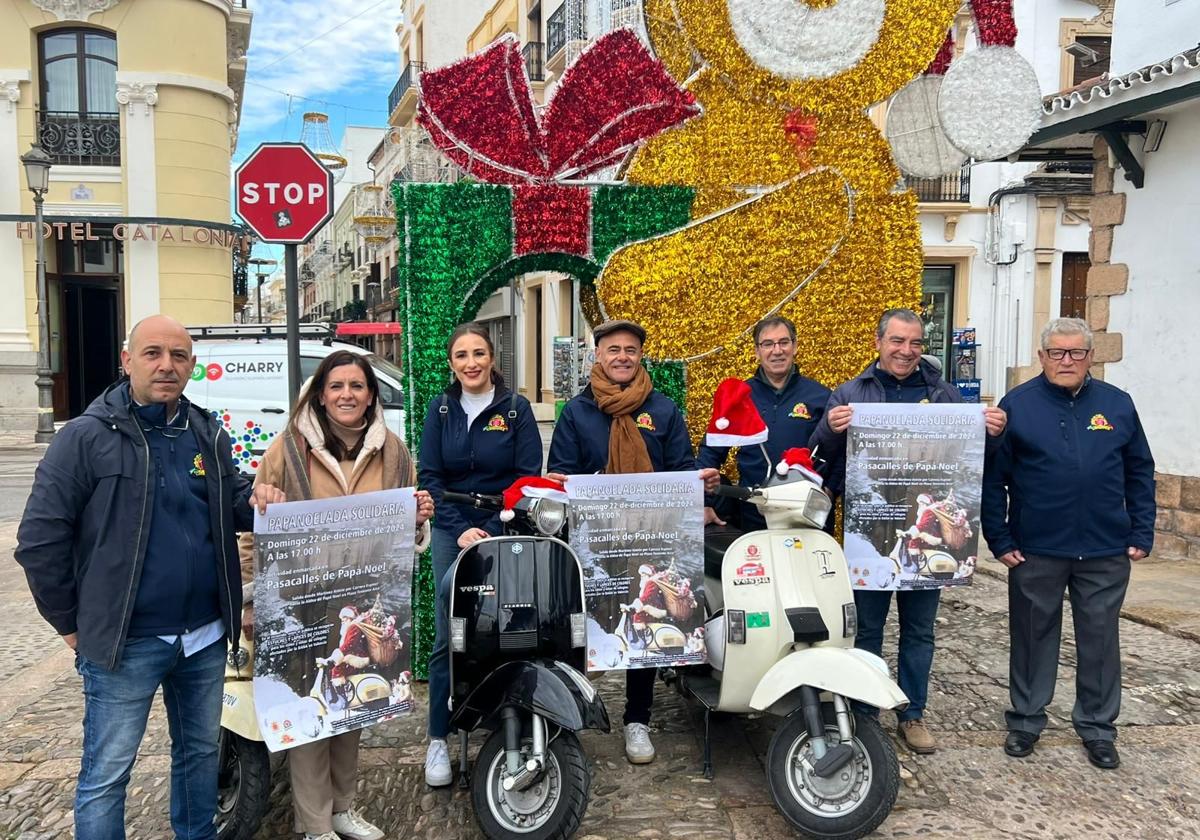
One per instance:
(917,736)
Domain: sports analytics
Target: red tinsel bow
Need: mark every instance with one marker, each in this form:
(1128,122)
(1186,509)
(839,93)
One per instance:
(481,114)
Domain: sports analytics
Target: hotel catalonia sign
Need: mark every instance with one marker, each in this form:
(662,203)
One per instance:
(128,232)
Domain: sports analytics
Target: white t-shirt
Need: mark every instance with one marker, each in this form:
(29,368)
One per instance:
(474,404)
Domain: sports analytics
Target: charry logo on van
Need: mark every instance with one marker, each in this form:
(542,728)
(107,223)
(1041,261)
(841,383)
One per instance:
(213,371)
(234,368)
(800,410)
(198,372)
(496,424)
(1099,424)
(645,421)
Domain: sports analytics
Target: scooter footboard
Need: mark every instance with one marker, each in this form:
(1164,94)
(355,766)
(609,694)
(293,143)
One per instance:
(854,674)
(554,690)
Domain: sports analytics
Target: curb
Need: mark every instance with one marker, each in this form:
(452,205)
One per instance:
(1128,613)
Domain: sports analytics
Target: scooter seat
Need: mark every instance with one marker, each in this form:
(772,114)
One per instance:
(717,539)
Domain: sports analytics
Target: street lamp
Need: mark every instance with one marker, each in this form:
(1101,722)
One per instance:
(37,176)
(260,269)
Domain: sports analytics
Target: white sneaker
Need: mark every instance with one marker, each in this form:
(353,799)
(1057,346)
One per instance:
(328,835)
(638,748)
(437,763)
(351,826)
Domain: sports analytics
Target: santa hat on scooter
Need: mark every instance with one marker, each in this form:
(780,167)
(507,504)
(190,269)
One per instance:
(735,419)
(531,487)
(799,459)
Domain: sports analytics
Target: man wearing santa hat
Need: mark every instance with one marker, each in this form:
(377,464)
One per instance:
(620,424)
(791,405)
(899,375)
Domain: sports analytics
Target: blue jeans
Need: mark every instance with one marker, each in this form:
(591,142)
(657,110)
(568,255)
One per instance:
(116,708)
(444,548)
(917,613)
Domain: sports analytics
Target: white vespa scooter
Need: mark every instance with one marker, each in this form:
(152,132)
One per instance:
(780,630)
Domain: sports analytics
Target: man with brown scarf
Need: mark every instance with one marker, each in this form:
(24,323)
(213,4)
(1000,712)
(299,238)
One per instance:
(620,424)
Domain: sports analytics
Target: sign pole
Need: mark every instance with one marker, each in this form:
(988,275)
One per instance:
(292,297)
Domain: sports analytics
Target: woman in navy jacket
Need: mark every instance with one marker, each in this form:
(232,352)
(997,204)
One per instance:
(479,437)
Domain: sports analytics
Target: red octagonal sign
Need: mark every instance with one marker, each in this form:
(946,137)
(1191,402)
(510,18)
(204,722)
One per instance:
(284,193)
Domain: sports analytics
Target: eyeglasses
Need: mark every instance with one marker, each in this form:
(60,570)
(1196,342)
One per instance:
(1078,354)
(171,430)
(782,344)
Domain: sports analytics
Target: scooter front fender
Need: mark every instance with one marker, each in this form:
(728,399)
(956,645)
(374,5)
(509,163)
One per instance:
(554,690)
(237,710)
(854,674)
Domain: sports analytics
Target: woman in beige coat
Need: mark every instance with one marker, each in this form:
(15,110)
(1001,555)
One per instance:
(336,444)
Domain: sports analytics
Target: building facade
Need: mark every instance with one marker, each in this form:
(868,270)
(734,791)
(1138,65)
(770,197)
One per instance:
(137,103)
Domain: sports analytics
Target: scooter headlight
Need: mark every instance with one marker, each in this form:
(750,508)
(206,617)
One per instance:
(548,516)
(458,634)
(817,507)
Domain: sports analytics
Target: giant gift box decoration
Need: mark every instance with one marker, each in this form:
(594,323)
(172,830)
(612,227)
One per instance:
(754,183)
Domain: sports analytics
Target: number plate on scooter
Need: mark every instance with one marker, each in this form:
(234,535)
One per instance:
(758,619)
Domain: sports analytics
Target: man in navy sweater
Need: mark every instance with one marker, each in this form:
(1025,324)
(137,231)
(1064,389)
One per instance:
(790,404)
(129,545)
(1068,503)
(620,424)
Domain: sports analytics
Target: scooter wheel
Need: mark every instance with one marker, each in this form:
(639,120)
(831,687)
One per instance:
(243,786)
(550,809)
(852,802)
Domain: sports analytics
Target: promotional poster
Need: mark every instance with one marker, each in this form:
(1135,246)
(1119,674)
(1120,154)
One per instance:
(640,540)
(332,615)
(914,478)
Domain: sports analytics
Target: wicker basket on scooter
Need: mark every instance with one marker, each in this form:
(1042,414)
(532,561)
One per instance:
(384,649)
(955,529)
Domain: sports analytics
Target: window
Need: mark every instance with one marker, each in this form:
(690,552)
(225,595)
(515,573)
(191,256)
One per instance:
(79,71)
(78,121)
(1085,68)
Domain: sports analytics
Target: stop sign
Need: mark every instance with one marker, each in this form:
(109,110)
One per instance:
(284,193)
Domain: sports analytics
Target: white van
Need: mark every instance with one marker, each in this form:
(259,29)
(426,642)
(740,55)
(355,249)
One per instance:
(241,377)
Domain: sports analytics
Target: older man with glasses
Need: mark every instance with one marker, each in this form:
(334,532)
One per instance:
(1068,503)
(791,405)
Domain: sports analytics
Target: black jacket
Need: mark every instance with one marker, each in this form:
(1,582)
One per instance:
(830,448)
(1073,477)
(82,540)
(580,442)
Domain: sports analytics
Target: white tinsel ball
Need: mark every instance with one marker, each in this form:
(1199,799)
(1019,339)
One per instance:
(990,102)
(798,41)
(919,145)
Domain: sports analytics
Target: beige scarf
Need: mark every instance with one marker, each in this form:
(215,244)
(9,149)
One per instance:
(626,449)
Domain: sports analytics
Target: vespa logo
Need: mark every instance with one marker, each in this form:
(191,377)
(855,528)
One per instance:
(823,557)
(481,589)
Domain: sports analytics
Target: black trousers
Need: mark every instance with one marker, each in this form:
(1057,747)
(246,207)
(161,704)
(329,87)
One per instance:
(639,694)
(1035,592)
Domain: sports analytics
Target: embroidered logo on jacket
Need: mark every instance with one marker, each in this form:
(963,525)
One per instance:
(800,410)
(197,466)
(1099,424)
(645,421)
(496,424)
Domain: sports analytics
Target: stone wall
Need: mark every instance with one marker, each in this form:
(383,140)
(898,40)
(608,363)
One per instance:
(1177,529)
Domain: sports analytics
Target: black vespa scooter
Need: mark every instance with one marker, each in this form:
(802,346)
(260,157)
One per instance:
(517,657)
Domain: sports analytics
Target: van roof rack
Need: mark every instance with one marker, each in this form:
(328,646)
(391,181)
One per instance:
(321,331)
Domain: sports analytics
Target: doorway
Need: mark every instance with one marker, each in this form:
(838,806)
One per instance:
(937,311)
(1072,301)
(92,341)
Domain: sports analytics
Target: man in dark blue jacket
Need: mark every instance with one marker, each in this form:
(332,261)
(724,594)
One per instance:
(128,542)
(620,424)
(1068,502)
(790,404)
(899,375)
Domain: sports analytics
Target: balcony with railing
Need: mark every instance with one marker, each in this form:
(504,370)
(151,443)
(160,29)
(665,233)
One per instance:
(535,60)
(953,188)
(89,139)
(556,32)
(402,101)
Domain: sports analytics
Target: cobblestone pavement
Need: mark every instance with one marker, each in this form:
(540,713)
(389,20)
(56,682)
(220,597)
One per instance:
(968,789)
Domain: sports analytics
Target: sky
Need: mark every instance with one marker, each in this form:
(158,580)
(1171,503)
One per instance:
(339,58)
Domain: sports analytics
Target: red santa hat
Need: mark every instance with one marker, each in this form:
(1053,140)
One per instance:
(735,419)
(532,487)
(800,460)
